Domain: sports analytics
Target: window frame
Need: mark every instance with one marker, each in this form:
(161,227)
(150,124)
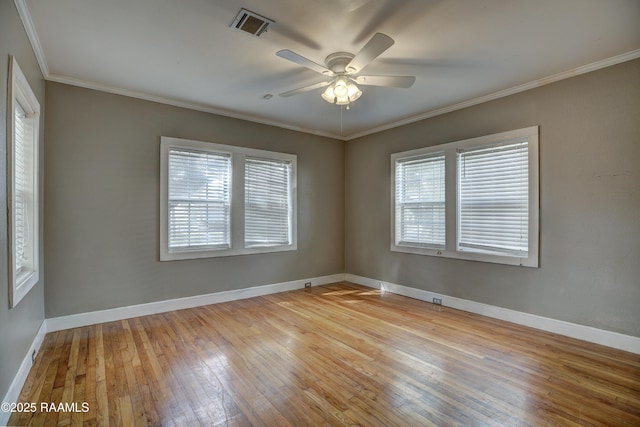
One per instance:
(530,134)
(20,93)
(237,211)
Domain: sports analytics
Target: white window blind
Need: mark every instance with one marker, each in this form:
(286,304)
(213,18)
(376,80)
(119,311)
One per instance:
(199,200)
(420,201)
(23,193)
(493,199)
(267,189)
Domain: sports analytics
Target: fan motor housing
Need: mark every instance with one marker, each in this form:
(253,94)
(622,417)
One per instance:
(338,61)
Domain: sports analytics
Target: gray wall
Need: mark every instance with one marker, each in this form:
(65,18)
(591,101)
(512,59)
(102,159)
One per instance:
(19,325)
(102,209)
(590,203)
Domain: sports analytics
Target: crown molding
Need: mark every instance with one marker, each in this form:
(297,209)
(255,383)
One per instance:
(432,113)
(27,22)
(184,104)
(25,16)
(32,35)
(614,60)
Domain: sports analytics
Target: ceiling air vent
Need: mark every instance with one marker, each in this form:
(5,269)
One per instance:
(251,22)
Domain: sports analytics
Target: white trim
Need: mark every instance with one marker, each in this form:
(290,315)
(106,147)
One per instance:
(21,94)
(573,330)
(237,157)
(32,35)
(585,333)
(91,318)
(618,59)
(629,56)
(608,62)
(27,22)
(13,394)
(452,184)
(185,104)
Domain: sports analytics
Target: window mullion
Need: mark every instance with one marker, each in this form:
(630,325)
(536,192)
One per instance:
(451,201)
(237,201)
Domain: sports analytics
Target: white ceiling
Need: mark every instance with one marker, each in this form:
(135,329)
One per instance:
(461,52)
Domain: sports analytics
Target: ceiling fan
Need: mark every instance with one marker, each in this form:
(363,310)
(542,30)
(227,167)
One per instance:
(342,68)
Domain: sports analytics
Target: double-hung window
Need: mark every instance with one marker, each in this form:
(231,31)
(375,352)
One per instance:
(221,200)
(475,199)
(23,177)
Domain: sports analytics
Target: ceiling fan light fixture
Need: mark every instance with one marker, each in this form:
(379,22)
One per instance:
(344,100)
(353,92)
(340,87)
(342,67)
(341,91)
(328,95)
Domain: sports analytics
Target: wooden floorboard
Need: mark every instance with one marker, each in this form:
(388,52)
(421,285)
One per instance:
(331,355)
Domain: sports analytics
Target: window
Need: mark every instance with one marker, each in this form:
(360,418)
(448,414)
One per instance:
(475,199)
(267,204)
(420,201)
(23,177)
(220,200)
(199,200)
(493,199)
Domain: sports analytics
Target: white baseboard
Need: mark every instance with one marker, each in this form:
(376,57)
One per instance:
(573,330)
(91,318)
(23,371)
(585,333)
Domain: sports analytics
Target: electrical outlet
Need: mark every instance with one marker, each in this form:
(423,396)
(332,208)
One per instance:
(437,301)
(307,285)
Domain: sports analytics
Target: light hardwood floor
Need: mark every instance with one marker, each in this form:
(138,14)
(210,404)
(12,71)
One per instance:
(338,354)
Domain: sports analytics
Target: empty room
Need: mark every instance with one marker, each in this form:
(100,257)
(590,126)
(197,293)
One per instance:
(320,213)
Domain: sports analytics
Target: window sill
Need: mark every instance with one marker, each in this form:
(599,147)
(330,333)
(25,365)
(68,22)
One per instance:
(468,256)
(181,255)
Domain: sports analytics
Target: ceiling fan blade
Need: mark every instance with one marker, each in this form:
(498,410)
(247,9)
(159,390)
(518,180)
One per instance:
(374,48)
(301,60)
(390,81)
(304,89)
